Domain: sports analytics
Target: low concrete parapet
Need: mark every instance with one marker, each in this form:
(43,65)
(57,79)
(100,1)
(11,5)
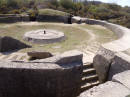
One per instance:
(56,78)
(103,59)
(49,18)
(14,18)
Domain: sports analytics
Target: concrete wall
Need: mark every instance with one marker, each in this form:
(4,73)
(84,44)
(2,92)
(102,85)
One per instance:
(25,18)
(106,54)
(123,34)
(13,18)
(114,47)
(58,76)
(48,18)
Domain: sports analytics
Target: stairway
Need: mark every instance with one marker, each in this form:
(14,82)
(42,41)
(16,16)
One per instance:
(14,56)
(89,77)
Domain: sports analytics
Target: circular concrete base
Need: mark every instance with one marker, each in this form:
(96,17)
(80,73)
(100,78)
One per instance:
(44,36)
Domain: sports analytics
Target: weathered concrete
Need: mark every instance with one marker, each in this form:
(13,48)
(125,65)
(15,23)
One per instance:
(118,87)
(123,78)
(41,18)
(109,89)
(48,18)
(69,56)
(13,18)
(9,44)
(102,62)
(123,34)
(42,36)
(120,63)
(41,79)
(103,59)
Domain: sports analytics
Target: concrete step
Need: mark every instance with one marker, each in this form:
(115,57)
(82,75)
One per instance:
(26,58)
(87,66)
(90,78)
(3,57)
(92,49)
(88,71)
(88,56)
(14,57)
(21,56)
(89,85)
(10,57)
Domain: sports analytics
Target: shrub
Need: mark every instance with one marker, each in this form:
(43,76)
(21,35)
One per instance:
(67,4)
(15,11)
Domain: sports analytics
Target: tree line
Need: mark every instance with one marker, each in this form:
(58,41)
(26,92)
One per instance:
(97,10)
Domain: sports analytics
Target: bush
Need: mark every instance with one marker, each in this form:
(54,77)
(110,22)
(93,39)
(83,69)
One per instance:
(67,4)
(15,11)
(33,13)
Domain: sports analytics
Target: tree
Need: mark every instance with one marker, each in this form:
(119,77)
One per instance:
(67,4)
(55,3)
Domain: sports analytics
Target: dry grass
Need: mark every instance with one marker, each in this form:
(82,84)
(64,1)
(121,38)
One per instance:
(74,36)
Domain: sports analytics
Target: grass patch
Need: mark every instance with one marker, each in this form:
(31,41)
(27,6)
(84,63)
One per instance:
(74,36)
(102,34)
(52,12)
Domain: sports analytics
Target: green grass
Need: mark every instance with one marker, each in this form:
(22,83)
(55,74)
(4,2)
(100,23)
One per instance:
(52,12)
(102,34)
(74,36)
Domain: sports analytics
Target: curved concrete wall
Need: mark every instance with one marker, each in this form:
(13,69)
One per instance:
(48,18)
(13,18)
(57,76)
(40,18)
(105,56)
(123,34)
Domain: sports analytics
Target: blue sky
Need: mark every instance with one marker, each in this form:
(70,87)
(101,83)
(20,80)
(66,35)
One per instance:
(120,2)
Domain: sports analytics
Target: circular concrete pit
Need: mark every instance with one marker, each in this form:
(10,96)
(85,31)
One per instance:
(44,36)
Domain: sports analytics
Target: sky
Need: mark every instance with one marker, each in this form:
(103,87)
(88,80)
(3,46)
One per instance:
(120,2)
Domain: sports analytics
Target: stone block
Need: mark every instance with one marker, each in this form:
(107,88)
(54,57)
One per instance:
(102,62)
(70,57)
(109,89)
(123,78)
(121,63)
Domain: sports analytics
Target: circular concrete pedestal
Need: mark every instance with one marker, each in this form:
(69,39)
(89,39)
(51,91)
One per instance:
(44,36)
